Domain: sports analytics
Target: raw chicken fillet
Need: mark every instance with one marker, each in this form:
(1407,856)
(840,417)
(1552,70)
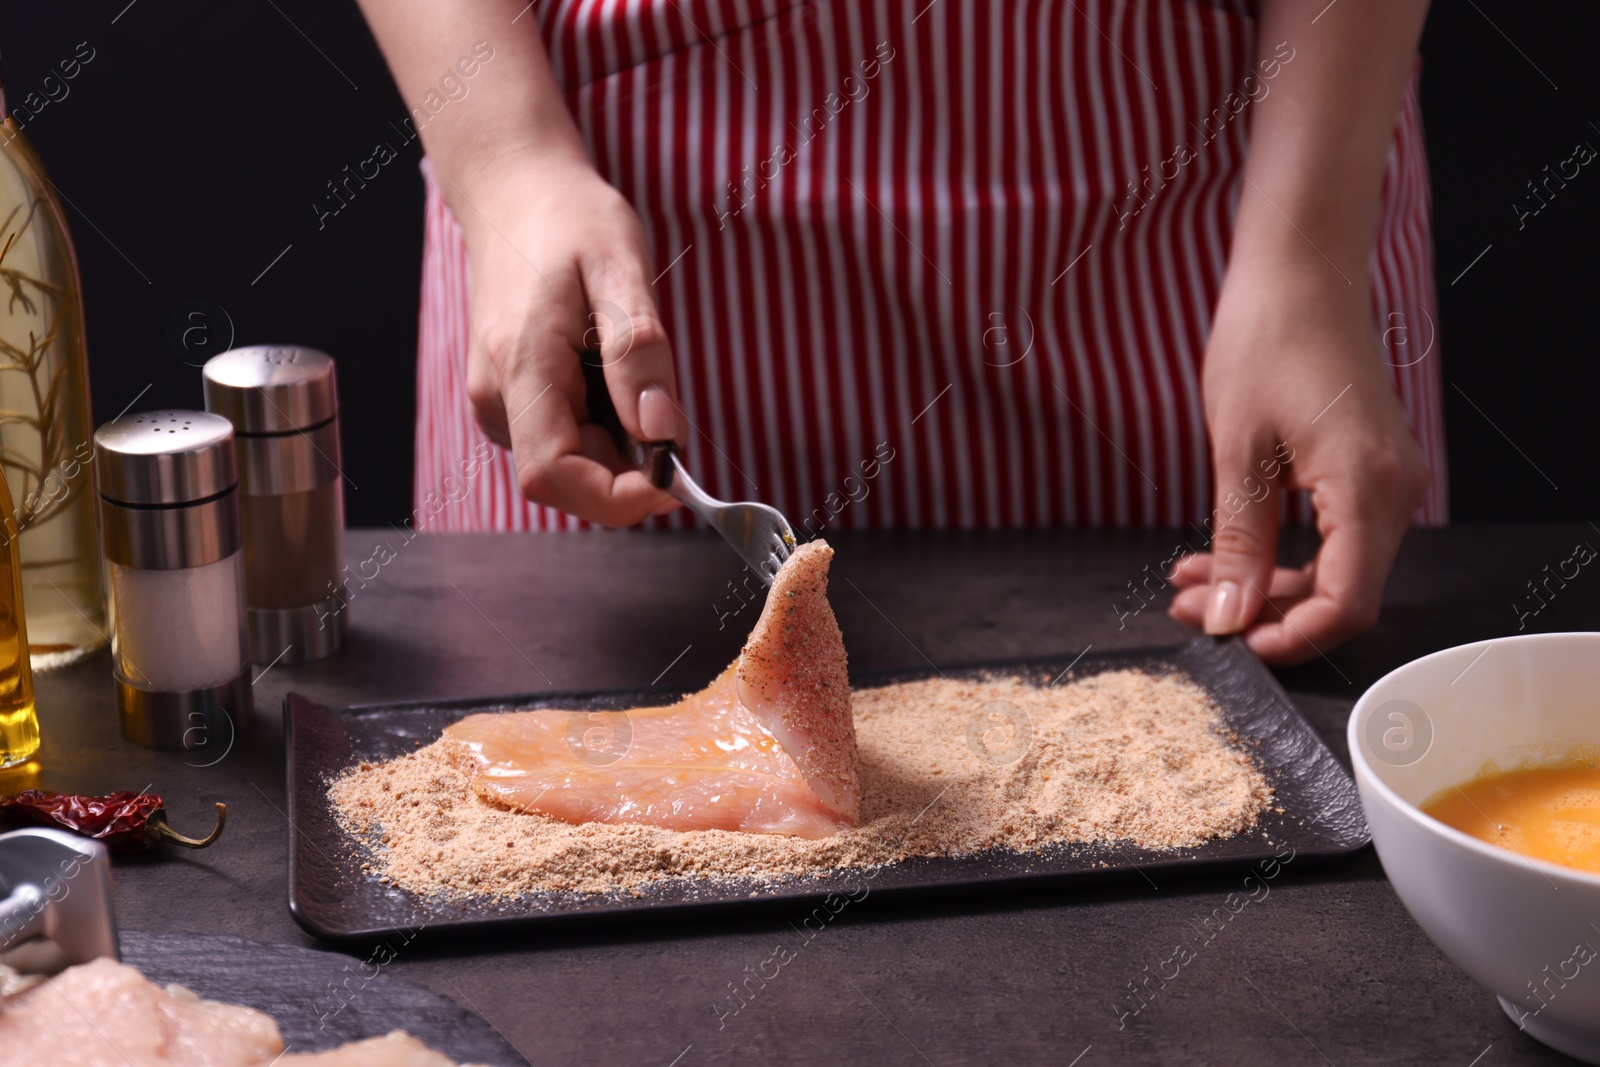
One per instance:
(107,1014)
(768,747)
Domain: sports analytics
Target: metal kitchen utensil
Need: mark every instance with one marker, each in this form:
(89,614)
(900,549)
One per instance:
(58,886)
(758,532)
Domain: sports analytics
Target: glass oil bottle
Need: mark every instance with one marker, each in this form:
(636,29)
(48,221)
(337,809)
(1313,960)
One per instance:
(45,422)
(19,721)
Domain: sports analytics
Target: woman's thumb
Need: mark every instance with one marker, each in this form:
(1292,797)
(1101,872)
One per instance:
(1244,544)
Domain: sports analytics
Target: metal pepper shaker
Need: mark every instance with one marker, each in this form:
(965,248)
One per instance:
(283,403)
(167,482)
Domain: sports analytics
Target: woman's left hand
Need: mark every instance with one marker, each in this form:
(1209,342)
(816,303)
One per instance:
(1297,396)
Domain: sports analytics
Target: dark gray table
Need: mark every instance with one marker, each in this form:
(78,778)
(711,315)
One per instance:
(1328,967)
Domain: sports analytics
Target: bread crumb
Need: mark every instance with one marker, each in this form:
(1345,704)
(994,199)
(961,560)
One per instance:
(948,767)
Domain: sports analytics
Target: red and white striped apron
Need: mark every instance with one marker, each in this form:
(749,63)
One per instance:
(894,228)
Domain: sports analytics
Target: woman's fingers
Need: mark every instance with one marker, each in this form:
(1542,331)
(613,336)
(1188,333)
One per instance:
(1312,610)
(1362,515)
(1192,570)
(580,486)
(537,388)
(625,327)
(1244,544)
(1195,570)
(483,393)
(560,464)
(1288,586)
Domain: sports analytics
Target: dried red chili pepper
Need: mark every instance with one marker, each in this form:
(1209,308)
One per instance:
(127,823)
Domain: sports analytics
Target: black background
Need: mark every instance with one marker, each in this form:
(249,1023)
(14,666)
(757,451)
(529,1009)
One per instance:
(193,145)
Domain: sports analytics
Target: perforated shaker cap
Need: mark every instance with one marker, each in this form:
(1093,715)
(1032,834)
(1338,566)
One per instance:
(268,389)
(165,458)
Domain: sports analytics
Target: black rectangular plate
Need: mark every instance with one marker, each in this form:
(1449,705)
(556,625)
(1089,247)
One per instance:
(334,899)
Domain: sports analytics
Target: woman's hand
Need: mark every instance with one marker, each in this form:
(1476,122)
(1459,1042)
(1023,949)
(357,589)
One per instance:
(559,263)
(560,266)
(1297,397)
(1292,368)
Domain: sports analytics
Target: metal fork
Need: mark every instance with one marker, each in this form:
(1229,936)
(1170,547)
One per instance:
(759,533)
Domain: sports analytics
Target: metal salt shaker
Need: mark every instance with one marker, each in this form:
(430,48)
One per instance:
(167,482)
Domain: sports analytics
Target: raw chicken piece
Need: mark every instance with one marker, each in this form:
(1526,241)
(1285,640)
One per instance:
(792,674)
(703,763)
(768,747)
(13,982)
(107,1014)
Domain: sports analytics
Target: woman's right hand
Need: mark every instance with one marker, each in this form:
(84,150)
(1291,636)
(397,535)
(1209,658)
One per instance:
(560,265)
(559,262)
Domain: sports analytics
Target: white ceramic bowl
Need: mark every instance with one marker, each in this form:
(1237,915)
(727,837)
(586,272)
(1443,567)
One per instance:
(1524,928)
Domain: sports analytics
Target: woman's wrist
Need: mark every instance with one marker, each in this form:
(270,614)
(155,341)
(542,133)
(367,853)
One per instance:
(1293,285)
(498,184)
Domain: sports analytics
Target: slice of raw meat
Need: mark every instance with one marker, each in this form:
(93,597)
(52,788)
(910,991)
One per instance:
(107,1014)
(768,747)
(792,674)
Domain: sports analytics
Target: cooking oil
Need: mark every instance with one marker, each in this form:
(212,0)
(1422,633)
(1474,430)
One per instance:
(45,421)
(19,721)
